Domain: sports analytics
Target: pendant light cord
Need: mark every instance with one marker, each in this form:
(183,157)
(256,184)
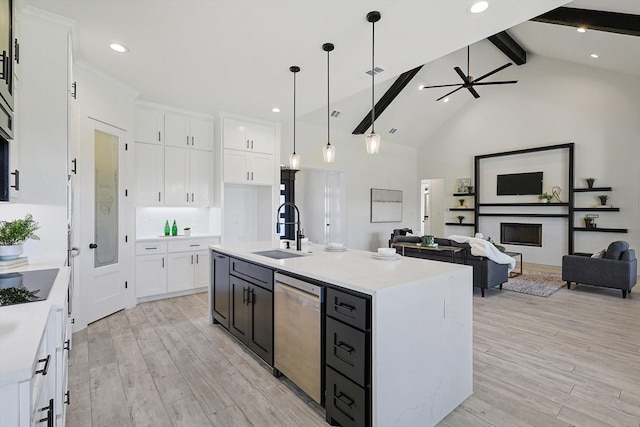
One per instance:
(373,50)
(328,114)
(294,112)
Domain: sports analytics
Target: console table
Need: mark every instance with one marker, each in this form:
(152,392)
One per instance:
(454,250)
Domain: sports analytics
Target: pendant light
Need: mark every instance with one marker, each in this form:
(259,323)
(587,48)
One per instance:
(294,158)
(373,139)
(329,151)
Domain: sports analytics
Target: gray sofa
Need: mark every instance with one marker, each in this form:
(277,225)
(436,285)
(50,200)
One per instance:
(486,273)
(618,268)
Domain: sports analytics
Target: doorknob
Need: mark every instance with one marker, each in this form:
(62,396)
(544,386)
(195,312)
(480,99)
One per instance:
(92,245)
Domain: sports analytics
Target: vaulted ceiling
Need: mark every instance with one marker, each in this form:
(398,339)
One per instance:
(234,55)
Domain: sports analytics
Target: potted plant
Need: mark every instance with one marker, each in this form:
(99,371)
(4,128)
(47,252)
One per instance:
(588,222)
(187,231)
(590,182)
(545,198)
(13,234)
(460,218)
(461,202)
(470,189)
(603,199)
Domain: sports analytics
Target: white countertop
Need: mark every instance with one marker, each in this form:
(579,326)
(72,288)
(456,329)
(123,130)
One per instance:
(352,269)
(178,237)
(22,325)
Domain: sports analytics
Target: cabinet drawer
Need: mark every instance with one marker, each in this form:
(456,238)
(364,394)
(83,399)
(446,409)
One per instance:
(257,274)
(347,308)
(346,350)
(346,403)
(188,245)
(150,248)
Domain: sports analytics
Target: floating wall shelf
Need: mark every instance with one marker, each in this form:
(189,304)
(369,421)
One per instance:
(603,230)
(597,209)
(464,194)
(464,224)
(462,209)
(526,215)
(587,190)
(523,204)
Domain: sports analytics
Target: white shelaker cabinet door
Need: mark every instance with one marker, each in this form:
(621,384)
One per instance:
(201,131)
(176,128)
(176,176)
(149,126)
(201,177)
(235,134)
(235,167)
(262,138)
(151,275)
(181,271)
(260,169)
(202,269)
(149,174)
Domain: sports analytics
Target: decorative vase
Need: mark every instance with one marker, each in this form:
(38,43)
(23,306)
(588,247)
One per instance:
(460,220)
(10,252)
(461,202)
(590,182)
(187,232)
(603,199)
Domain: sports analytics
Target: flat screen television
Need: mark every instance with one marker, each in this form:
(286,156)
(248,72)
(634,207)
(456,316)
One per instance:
(519,184)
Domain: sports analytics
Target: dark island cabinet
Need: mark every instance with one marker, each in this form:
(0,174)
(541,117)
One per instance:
(348,359)
(242,302)
(220,290)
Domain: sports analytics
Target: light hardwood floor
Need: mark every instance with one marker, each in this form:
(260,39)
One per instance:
(572,359)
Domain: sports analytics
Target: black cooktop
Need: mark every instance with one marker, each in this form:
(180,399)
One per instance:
(39,282)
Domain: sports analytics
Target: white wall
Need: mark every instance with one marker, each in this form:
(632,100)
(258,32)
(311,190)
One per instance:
(554,102)
(393,168)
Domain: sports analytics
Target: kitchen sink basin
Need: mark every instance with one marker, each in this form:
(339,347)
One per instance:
(277,254)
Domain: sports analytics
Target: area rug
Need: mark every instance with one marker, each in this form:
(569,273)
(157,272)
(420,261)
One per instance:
(535,283)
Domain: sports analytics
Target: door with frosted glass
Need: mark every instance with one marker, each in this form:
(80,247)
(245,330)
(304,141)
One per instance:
(101,210)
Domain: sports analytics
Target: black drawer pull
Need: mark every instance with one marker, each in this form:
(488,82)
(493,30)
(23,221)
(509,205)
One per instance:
(345,400)
(244,295)
(67,398)
(67,345)
(195,245)
(345,347)
(344,307)
(44,370)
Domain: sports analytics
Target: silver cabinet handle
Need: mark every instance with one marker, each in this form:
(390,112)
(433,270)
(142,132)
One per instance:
(162,262)
(247,143)
(187,197)
(158,196)
(247,176)
(251,176)
(191,259)
(192,140)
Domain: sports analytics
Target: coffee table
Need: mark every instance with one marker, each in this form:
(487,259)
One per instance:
(454,250)
(515,254)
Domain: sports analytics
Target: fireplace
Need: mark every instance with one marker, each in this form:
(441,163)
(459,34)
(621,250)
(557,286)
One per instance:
(513,233)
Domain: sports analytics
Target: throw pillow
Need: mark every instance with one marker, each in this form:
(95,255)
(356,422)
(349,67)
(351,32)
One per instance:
(599,254)
(615,249)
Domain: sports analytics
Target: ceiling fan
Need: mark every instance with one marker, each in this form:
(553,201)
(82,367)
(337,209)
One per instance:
(469,82)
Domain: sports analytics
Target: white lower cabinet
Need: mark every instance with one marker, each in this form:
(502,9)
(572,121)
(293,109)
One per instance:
(163,268)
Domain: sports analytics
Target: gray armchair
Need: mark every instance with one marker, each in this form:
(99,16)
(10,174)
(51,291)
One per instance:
(618,268)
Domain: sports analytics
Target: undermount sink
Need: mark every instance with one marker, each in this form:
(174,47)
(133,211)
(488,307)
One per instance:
(278,254)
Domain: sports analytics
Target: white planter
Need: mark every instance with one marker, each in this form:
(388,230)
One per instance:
(10,252)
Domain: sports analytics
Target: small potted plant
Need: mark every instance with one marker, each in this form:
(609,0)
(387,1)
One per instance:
(603,199)
(187,231)
(588,222)
(470,189)
(545,198)
(460,218)
(13,234)
(590,182)
(461,202)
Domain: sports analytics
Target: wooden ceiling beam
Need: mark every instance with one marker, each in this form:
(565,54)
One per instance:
(509,47)
(613,22)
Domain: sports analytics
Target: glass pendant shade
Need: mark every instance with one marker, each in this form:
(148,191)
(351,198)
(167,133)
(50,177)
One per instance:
(294,160)
(373,143)
(329,153)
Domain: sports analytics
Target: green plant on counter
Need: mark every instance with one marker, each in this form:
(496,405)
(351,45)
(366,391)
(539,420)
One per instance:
(18,231)
(17,295)
(545,197)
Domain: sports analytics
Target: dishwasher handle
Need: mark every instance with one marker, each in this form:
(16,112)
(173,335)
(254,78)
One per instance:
(303,286)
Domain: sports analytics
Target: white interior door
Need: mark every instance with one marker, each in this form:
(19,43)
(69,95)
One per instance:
(101,219)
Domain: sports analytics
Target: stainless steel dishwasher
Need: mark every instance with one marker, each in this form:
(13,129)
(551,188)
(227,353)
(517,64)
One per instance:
(297,308)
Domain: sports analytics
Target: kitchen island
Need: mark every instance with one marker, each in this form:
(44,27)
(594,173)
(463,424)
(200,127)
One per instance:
(418,331)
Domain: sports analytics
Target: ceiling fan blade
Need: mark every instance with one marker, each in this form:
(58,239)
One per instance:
(490,73)
(461,74)
(473,92)
(444,96)
(429,87)
(506,82)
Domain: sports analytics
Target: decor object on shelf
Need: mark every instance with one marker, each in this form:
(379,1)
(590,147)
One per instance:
(468,81)
(545,198)
(329,151)
(13,234)
(462,184)
(386,205)
(590,182)
(187,231)
(373,139)
(469,189)
(588,222)
(294,158)
(555,193)
(461,202)
(617,269)
(460,218)
(603,199)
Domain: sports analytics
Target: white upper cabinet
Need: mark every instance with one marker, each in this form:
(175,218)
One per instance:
(187,177)
(149,174)
(188,131)
(248,136)
(149,126)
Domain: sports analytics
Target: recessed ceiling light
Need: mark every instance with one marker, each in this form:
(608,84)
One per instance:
(581,30)
(479,7)
(275,109)
(118,47)
(446,99)
(420,87)
(595,55)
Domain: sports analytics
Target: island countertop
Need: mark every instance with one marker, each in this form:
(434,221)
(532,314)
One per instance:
(353,269)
